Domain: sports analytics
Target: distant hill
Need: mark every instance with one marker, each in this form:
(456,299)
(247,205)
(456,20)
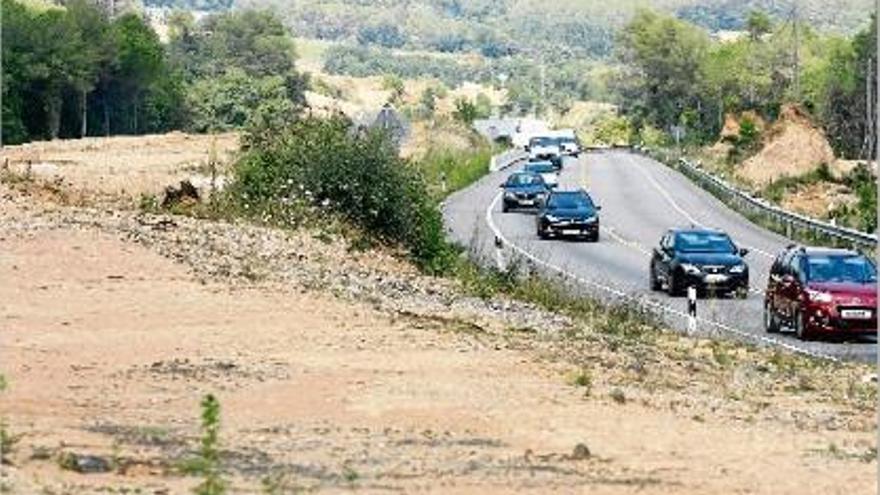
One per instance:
(497,28)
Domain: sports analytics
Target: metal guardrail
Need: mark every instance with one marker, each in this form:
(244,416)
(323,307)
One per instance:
(762,212)
(506,159)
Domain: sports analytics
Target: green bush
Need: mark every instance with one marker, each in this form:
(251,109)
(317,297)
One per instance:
(448,170)
(319,167)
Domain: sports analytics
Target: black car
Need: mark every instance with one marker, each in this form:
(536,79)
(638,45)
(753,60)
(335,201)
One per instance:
(702,258)
(523,189)
(569,213)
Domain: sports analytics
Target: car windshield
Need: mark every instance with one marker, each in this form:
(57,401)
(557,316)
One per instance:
(540,168)
(703,242)
(543,141)
(569,202)
(524,180)
(847,268)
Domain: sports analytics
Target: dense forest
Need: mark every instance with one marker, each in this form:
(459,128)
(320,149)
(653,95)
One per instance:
(73,72)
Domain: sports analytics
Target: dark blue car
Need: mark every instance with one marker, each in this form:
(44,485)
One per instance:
(569,213)
(523,190)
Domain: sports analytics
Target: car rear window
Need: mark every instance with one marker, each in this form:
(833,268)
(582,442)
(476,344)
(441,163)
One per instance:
(543,141)
(524,179)
(703,242)
(540,168)
(569,201)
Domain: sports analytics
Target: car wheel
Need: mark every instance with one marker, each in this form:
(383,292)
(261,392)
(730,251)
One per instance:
(771,324)
(653,283)
(672,286)
(594,237)
(542,234)
(505,207)
(800,327)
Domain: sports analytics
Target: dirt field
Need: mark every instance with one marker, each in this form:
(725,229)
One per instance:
(339,371)
(122,166)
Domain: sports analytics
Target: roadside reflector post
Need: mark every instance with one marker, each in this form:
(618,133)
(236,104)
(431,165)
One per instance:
(692,309)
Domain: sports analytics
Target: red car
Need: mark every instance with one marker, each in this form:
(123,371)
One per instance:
(821,291)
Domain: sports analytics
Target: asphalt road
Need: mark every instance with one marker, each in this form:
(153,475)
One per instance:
(641,198)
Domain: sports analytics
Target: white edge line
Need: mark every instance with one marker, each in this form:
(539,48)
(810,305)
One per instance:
(647,302)
(684,213)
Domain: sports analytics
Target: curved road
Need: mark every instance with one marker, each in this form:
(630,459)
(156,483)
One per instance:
(641,198)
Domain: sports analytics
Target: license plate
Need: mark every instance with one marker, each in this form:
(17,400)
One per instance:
(571,232)
(856,314)
(527,202)
(716,279)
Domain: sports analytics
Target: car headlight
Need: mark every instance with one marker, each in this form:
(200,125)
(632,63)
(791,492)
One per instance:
(737,269)
(551,218)
(592,219)
(690,269)
(509,194)
(819,296)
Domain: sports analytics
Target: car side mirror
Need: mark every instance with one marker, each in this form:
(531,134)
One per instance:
(598,207)
(527,148)
(743,251)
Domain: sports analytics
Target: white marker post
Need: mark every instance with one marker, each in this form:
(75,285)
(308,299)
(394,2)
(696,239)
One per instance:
(692,309)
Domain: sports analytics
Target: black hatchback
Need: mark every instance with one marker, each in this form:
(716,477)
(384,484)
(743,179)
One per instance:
(702,258)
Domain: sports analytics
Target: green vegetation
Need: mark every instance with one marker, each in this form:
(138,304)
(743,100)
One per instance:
(864,215)
(192,4)
(240,69)
(73,72)
(208,461)
(776,190)
(319,167)
(660,83)
(493,28)
(619,326)
(672,74)
(448,170)
(576,79)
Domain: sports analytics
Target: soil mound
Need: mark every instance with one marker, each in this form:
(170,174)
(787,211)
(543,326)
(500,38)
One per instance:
(792,146)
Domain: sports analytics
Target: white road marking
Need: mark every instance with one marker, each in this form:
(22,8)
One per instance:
(641,300)
(663,192)
(630,244)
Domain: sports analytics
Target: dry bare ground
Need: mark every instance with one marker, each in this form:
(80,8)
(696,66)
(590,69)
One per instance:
(792,147)
(121,166)
(340,370)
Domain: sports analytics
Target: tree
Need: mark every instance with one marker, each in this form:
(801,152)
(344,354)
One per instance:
(139,61)
(237,99)
(98,53)
(758,24)
(663,60)
(465,111)
(386,35)
(16,32)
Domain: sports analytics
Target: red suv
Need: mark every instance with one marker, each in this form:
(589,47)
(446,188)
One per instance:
(821,291)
